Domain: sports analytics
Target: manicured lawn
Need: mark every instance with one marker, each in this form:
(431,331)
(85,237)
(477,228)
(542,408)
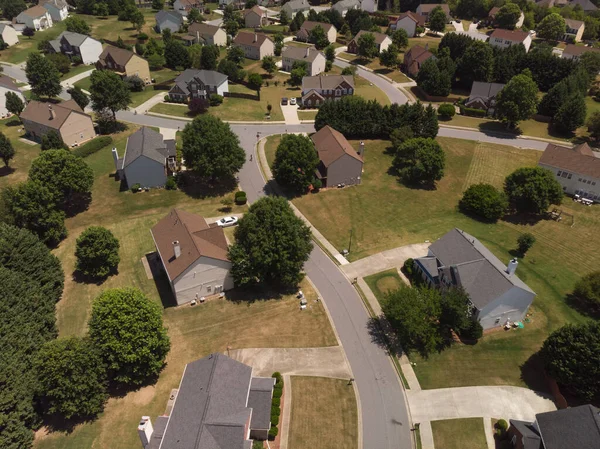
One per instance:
(466,433)
(24,153)
(384,282)
(84,83)
(18,53)
(395,75)
(76,70)
(137,98)
(307,115)
(323,415)
(111,28)
(271,147)
(368,91)
(384,214)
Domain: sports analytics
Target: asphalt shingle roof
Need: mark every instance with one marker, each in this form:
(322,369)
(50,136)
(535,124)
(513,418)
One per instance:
(570,428)
(325,82)
(580,160)
(145,142)
(208,77)
(259,399)
(332,145)
(531,437)
(301,53)
(164,15)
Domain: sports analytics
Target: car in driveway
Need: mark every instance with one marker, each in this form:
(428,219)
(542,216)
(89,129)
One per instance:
(284,101)
(293,101)
(227,221)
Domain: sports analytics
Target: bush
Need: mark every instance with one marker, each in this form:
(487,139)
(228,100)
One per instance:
(240,197)
(317,184)
(142,37)
(278,378)
(502,425)
(135,83)
(136,187)
(216,99)
(587,293)
(472,332)
(525,242)
(171,184)
(472,112)
(485,201)
(408,267)
(276,402)
(274,420)
(97,253)
(273,433)
(277,393)
(446,110)
(275,410)
(167,98)
(92,146)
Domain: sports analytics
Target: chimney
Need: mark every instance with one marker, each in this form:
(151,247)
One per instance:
(361,148)
(145,430)
(52,113)
(255,37)
(198,36)
(115,154)
(176,248)
(512,267)
(307,51)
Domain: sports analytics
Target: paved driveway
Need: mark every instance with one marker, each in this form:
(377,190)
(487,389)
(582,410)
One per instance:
(392,258)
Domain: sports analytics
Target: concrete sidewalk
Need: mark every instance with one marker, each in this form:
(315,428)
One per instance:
(290,114)
(148,104)
(69,82)
(393,258)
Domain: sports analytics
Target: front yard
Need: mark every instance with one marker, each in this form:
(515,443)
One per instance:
(394,74)
(466,433)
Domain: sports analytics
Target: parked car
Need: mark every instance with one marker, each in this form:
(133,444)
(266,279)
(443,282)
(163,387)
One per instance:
(284,101)
(227,221)
(293,101)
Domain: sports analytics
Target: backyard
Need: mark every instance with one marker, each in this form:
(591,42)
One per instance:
(324,414)
(24,153)
(466,433)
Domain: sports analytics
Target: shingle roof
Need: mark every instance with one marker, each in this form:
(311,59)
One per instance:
(301,53)
(345,4)
(325,82)
(379,37)
(8,83)
(479,89)
(577,50)
(209,77)
(251,39)
(120,55)
(574,24)
(309,26)
(580,159)
(332,145)
(256,10)
(60,4)
(35,11)
(418,54)
(297,5)
(145,142)
(531,437)
(39,112)
(196,239)
(74,39)
(510,35)
(203,28)
(259,400)
(570,428)
(164,15)
(417,18)
(428,7)
(586,5)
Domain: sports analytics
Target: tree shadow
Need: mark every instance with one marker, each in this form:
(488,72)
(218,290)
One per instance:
(14,121)
(161,280)
(5,171)
(81,278)
(57,423)
(119,390)
(199,187)
(77,203)
(582,307)
(532,373)
(524,219)
(252,294)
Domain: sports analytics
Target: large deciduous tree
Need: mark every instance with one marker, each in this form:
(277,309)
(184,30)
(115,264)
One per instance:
(318,37)
(271,245)
(432,80)
(295,163)
(127,329)
(210,56)
(76,24)
(437,19)
(532,189)
(109,92)
(14,104)
(7,151)
(570,115)
(400,38)
(269,65)
(476,64)
(508,16)
(211,149)
(97,252)
(367,46)
(420,161)
(517,101)
(485,201)
(553,26)
(43,76)
(79,97)
(587,293)
(176,55)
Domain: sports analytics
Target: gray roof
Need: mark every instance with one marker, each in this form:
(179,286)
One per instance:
(149,143)
(474,267)
(60,4)
(297,5)
(429,264)
(74,39)
(208,77)
(586,5)
(259,400)
(301,53)
(164,15)
(158,427)
(570,428)
(4,25)
(343,5)
(485,91)
(531,437)
(325,81)
(210,409)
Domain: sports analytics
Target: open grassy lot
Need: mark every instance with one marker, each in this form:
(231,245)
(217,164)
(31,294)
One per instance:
(307,115)
(323,414)
(111,28)
(18,53)
(24,153)
(395,75)
(84,83)
(384,282)
(76,70)
(385,214)
(466,433)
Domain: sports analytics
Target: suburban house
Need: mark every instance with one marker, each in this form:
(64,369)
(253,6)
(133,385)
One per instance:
(193,83)
(293,7)
(8,34)
(382,41)
(255,17)
(66,118)
(303,34)
(314,59)
(219,405)
(574,31)
(473,35)
(577,169)
(205,34)
(318,89)
(492,17)
(414,59)
(505,38)
(36,18)
(569,428)
(339,163)
(496,294)
(424,9)
(194,256)
(124,63)
(148,159)
(572,51)
(368,5)
(408,21)
(7,85)
(168,20)
(58,9)
(76,45)
(236,4)
(343,6)
(586,5)
(255,45)
(483,96)
(184,6)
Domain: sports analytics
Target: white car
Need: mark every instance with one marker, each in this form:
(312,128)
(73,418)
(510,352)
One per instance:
(227,221)
(293,101)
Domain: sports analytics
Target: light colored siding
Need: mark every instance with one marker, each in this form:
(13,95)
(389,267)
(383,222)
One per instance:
(346,170)
(574,183)
(513,306)
(10,37)
(138,66)
(408,25)
(3,90)
(201,279)
(90,50)
(146,172)
(76,129)
(223,88)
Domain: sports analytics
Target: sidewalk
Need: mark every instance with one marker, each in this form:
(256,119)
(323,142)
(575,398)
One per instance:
(68,83)
(148,104)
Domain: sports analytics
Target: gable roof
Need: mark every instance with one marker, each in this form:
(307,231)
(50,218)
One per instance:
(574,24)
(428,7)
(332,145)
(145,142)
(297,5)
(256,10)
(209,77)
(418,54)
(120,55)
(59,4)
(8,83)
(510,35)
(586,5)
(196,239)
(474,267)
(577,50)
(203,28)
(493,11)
(345,4)
(379,37)
(35,11)
(326,81)
(3,26)
(309,25)
(531,437)
(580,159)
(483,90)
(417,18)
(570,428)
(259,400)
(39,112)
(164,15)
(301,53)
(251,39)
(74,39)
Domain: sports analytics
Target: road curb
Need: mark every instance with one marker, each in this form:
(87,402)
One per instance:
(509,135)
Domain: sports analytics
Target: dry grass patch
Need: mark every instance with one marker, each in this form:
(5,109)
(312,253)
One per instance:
(384,282)
(24,153)
(466,433)
(271,148)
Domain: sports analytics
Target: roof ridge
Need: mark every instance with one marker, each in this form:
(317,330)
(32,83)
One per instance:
(212,371)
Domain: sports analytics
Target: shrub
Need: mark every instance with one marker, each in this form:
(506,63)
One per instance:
(273,433)
(277,393)
(502,425)
(525,242)
(278,378)
(275,410)
(97,252)
(142,36)
(136,187)
(587,293)
(198,105)
(446,110)
(472,112)
(472,332)
(92,146)
(76,60)
(167,98)
(485,201)
(408,267)
(317,184)
(276,402)
(274,420)
(135,83)
(216,99)
(240,198)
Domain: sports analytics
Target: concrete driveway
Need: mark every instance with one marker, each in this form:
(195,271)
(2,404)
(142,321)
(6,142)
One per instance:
(392,258)
(290,114)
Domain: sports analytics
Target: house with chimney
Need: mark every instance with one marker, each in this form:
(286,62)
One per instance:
(383,41)
(219,404)
(574,31)
(343,6)
(66,118)
(502,38)
(318,89)
(148,159)
(58,9)
(424,9)
(124,63)
(303,34)
(255,45)
(205,34)
(414,58)
(193,254)
(76,45)
(168,20)
(192,83)
(315,59)
(37,18)
(8,85)
(409,22)
(496,294)
(255,17)
(339,163)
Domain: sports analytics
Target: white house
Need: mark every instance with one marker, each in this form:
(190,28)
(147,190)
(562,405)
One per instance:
(8,34)
(408,21)
(205,34)
(343,6)
(7,85)
(293,7)
(368,5)
(505,38)
(77,45)
(193,254)
(58,9)
(36,17)
(168,20)
(314,59)
(304,31)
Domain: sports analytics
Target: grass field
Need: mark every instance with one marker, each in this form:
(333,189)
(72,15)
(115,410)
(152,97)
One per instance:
(384,214)
(271,147)
(464,433)
(18,53)
(323,415)
(307,115)
(395,75)
(24,153)
(384,282)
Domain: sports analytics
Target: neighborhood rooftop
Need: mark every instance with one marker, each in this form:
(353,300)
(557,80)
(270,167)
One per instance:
(325,82)
(74,39)
(202,28)
(331,145)
(510,35)
(50,114)
(209,77)
(379,37)
(305,53)
(120,55)
(579,159)
(571,428)
(309,25)
(250,39)
(149,143)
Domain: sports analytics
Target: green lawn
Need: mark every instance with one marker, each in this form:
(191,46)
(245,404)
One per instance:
(307,115)
(24,153)
(84,83)
(323,414)
(466,433)
(18,53)
(384,282)
(111,28)
(394,74)
(76,70)
(384,214)
(271,147)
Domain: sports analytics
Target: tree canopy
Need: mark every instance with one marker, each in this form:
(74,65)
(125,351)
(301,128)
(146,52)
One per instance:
(43,76)
(7,151)
(76,24)
(367,47)
(517,101)
(587,293)
(176,55)
(437,19)
(476,64)
(553,26)
(295,162)
(318,37)
(79,96)
(420,161)
(109,91)
(97,252)
(485,201)
(532,189)
(508,16)
(570,115)
(14,104)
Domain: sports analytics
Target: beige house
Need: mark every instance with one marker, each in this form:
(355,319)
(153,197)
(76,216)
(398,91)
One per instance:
(66,118)
(572,51)
(574,31)
(339,163)
(8,34)
(255,17)
(255,45)
(382,41)
(315,60)
(124,63)
(424,9)
(205,34)
(303,34)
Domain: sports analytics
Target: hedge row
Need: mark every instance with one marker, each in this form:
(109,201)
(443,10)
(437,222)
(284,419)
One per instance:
(472,112)
(240,197)
(92,146)
(277,391)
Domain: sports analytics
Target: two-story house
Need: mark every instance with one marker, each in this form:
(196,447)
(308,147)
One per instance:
(77,45)
(255,45)
(572,51)
(37,18)
(255,17)
(424,9)
(318,89)
(205,34)
(8,85)
(414,59)
(382,41)
(184,6)
(8,34)
(409,22)
(315,60)
(577,169)
(343,6)
(168,20)
(339,163)
(574,31)
(194,83)
(58,9)
(124,63)
(505,38)
(293,7)
(483,96)
(303,34)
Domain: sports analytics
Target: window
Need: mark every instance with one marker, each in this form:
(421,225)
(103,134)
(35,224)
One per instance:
(564,174)
(559,173)
(570,176)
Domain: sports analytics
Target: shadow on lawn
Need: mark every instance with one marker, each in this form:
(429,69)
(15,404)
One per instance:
(5,171)
(532,373)
(161,281)
(199,187)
